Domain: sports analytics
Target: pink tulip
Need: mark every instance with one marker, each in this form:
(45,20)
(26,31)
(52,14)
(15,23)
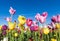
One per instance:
(45,14)
(52,24)
(54,19)
(58,18)
(41,18)
(34,23)
(12,11)
(29,22)
(34,28)
(37,16)
(8,19)
(49,26)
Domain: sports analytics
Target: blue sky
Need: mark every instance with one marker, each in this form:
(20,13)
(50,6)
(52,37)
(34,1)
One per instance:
(29,8)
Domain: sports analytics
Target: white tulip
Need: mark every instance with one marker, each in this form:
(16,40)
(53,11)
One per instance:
(5,39)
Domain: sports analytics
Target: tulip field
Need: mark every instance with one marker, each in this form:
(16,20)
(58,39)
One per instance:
(24,29)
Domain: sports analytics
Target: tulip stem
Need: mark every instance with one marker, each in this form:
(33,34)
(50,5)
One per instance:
(51,33)
(57,36)
(48,37)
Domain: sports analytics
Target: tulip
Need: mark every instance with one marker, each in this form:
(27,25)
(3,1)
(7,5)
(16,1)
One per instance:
(22,20)
(34,28)
(54,19)
(41,18)
(11,25)
(34,23)
(37,16)
(53,24)
(51,28)
(16,34)
(58,18)
(45,30)
(5,39)
(29,22)
(8,19)
(4,27)
(12,11)
(53,39)
(45,14)
(57,25)
(21,26)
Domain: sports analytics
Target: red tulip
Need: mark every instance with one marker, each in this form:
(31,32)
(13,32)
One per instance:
(29,22)
(12,11)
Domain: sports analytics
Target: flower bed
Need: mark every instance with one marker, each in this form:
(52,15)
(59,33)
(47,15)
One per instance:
(29,30)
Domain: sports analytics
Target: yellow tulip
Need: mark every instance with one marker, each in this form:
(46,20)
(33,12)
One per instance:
(21,20)
(11,25)
(16,34)
(21,26)
(53,39)
(57,25)
(45,30)
(0,27)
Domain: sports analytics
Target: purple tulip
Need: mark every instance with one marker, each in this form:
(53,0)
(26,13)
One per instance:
(31,28)
(4,27)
